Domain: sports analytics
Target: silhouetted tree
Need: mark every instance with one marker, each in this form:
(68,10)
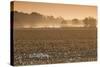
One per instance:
(59,20)
(89,22)
(64,22)
(75,21)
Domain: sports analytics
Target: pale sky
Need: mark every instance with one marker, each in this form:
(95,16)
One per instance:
(64,10)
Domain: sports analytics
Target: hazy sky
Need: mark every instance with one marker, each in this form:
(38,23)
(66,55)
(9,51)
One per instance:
(56,10)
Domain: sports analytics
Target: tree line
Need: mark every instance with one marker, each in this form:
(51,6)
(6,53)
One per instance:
(36,18)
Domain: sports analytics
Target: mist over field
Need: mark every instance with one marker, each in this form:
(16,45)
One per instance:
(37,20)
(40,39)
